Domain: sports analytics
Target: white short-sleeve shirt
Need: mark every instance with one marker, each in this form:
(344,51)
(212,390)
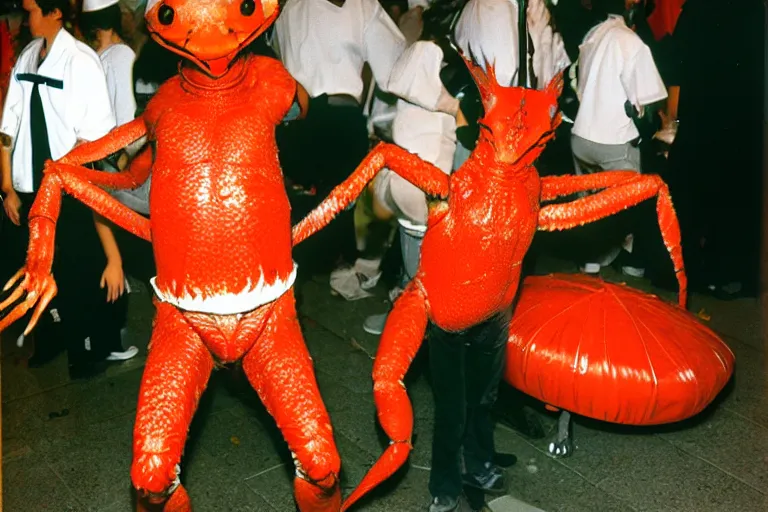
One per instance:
(117,61)
(75,102)
(614,66)
(487,30)
(324,46)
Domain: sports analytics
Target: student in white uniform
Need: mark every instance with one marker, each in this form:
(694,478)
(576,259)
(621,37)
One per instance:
(57,98)
(324,44)
(617,74)
(101,25)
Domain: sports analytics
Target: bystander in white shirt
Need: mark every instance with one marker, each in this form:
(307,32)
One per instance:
(324,46)
(420,128)
(614,66)
(117,61)
(487,30)
(75,102)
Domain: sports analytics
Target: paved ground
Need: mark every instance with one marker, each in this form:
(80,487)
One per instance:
(67,445)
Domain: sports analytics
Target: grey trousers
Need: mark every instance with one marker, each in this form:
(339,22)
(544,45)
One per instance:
(589,157)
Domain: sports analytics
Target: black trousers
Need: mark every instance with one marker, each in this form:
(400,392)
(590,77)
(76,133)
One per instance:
(322,150)
(466,369)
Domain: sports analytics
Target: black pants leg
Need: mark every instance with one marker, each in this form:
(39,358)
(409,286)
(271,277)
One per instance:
(466,369)
(485,361)
(447,353)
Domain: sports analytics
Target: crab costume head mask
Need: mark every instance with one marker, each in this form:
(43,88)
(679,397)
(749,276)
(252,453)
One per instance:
(210,34)
(517,122)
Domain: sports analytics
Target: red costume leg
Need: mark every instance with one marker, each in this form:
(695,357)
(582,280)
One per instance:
(101,202)
(401,339)
(176,373)
(115,140)
(280,370)
(619,195)
(421,174)
(133,177)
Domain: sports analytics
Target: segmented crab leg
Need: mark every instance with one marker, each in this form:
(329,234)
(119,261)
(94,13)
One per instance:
(401,339)
(622,190)
(421,174)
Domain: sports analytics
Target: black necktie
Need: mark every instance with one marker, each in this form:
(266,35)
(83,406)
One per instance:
(41,148)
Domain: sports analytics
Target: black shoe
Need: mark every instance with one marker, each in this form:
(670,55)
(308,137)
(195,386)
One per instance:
(504,460)
(84,371)
(39,360)
(492,482)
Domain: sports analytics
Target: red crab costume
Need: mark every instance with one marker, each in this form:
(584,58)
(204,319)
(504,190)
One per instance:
(221,232)
(476,240)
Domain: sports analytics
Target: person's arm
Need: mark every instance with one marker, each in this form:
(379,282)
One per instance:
(112,278)
(383,44)
(672,101)
(90,109)
(415,77)
(14,103)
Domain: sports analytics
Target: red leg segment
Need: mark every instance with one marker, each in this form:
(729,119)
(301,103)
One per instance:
(280,369)
(115,140)
(422,174)
(136,174)
(102,203)
(401,339)
(618,196)
(553,187)
(176,373)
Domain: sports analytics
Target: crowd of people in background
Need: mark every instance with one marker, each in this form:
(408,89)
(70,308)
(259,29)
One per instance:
(686,105)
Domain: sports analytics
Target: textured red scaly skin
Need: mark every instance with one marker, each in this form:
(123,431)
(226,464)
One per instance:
(221,233)
(476,240)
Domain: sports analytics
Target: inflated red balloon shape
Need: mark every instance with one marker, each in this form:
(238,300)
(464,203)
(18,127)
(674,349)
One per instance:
(612,353)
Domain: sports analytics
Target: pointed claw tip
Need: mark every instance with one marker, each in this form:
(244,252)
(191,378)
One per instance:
(20,341)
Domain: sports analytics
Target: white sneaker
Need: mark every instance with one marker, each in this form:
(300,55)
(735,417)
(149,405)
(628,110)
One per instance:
(123,356)
(374,324)
(590,268)
(633,271)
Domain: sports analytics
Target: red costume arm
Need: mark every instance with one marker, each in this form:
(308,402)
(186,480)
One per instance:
(133,177)
(422,174)
(115,140)
(623,189)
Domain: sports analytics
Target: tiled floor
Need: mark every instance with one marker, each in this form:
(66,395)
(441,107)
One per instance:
(67,445)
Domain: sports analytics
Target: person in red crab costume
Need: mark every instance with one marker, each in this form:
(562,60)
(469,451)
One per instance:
(221,232)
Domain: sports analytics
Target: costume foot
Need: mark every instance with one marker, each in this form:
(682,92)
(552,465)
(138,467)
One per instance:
(562,445)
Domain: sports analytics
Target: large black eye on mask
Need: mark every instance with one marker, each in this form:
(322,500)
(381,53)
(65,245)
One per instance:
(165,15)
(248,7)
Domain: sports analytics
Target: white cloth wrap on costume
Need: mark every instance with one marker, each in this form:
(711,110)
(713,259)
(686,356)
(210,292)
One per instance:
(430,135)
(251,297)
(79,111)
(614,66)
(325,46)
(487,30)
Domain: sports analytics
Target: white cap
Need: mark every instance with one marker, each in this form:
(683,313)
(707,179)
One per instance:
(97,5)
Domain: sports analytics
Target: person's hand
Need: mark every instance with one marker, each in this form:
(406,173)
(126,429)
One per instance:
(460,119)
(114,279)
(12,207)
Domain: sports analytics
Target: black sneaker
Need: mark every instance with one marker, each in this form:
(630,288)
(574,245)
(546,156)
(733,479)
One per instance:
(491,482)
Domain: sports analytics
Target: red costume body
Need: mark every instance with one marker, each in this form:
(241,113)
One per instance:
(475,242)
(221,233)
